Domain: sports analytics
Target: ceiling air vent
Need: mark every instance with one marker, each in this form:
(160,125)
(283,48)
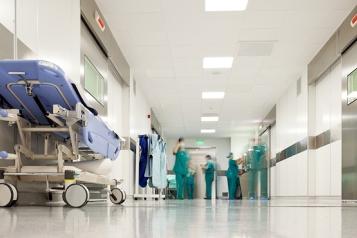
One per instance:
(255,48)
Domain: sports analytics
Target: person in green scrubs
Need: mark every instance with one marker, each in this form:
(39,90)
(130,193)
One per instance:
(190,182)
(258,165)
(232,176)
(180,167)
(209,169)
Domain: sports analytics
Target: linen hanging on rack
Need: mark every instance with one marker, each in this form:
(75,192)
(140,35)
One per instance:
(144,150)
(163,165)
(152,163)
(158,178)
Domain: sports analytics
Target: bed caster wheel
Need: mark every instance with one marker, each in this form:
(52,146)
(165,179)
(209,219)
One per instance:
(136,199)
(124,196)
(117,196)
(76,195)
(156,199)
(14,189)
(8,195)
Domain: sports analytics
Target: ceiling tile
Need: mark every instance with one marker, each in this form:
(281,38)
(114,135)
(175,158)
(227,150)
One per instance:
(165,41)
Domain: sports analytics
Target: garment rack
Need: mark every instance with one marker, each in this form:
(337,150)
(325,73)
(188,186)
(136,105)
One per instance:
(146,192)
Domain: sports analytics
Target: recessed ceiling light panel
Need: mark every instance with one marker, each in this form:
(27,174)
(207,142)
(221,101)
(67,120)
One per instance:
(208,131)
(217,62)
(225,5)
(209,118)
(212,95)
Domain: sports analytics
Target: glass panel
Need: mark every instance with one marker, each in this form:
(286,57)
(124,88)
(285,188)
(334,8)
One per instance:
(352,87)
(257,168)
(93,81)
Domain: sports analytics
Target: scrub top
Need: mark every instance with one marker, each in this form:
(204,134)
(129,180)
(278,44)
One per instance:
(181,162)
(210,167)
(232,169)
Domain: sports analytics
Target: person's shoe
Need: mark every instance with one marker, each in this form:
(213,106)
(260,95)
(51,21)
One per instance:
(207,198)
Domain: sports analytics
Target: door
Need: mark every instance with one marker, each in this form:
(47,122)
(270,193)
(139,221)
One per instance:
(197,159)
(349,124)
(264,173)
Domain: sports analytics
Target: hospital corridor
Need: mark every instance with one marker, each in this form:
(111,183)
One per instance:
(178,118)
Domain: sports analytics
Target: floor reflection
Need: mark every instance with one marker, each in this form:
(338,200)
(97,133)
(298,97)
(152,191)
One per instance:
(185,219)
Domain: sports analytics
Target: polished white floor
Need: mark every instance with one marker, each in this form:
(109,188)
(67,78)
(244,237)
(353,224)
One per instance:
(185,219)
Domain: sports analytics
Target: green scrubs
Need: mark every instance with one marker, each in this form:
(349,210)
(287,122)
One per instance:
(232,178)
(190,183)
(258,165)
(180,169)
(209,176)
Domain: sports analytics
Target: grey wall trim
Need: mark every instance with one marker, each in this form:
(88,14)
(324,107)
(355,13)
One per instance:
(312,143)
(106,39)
(325,138)
(320,140)
(332,50)
(272,162)
(292,150)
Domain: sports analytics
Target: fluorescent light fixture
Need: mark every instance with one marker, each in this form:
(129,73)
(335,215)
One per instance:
(209,118)
(208,131)
(212,95)
(225,5)
(217,62)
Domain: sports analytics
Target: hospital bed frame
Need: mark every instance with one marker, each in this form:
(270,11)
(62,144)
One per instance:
(75,193)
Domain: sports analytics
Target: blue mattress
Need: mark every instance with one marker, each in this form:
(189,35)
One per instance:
(49,87)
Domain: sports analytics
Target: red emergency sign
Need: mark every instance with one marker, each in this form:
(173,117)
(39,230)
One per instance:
(354,20)
(100,21)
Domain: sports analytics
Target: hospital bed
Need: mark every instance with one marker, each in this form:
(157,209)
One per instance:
(38,100)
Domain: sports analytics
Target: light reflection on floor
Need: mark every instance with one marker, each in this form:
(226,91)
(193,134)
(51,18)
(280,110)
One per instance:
(185,219)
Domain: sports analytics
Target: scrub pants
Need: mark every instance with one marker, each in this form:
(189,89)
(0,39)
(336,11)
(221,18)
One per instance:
(264,183)
(239,194)
(252,184)
(190,190)
(209,181)
(232,187)
(180,182)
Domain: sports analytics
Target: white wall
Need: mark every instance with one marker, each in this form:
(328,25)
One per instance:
(328,111)
(139,124)
(52,30)
(115,118)
(139,111)
(291,115)
(7,14)
(312,172)
(289,177)
(223,147)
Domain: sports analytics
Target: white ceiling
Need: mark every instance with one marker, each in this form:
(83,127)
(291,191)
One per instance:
(272,41)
